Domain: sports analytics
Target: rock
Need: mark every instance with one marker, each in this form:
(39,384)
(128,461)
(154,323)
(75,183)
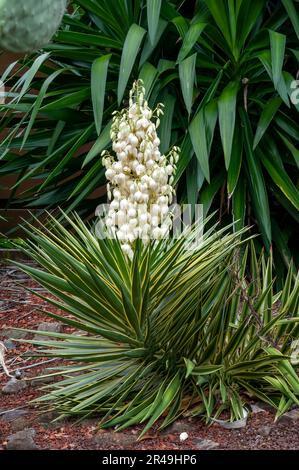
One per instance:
(91,422)
(20,423)
(237,424)
(206,444)
(51,419)
(51,327)
(264,406)
(257,409)
(179,427)
(12,415)
(118,440)
(48,416)
(22,440)
(9,344)
(19,374)
(14,334)
(265,431)
(14,386)
(291,417)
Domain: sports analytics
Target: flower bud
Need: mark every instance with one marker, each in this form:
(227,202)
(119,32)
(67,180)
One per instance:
(132,212)
(109,174)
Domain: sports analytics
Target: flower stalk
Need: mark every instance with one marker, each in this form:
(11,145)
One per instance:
(140,177)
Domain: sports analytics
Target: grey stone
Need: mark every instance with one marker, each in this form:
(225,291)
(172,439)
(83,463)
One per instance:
(9,344)
(118,440)
(238,424)
(179,427)
(19,374)
(206,444)
(14,386)
(22,440)
(20,423)
(51,327)
(16,274)
(14,334)
(291,417)
(46,419)
(264,406)
(51,419)
(91,422)
(12,415)
(257,409)
(265,431)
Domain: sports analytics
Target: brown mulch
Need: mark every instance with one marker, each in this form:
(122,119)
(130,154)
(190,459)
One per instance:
(18,308)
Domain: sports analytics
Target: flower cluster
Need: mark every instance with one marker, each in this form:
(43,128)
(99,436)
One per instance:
(140,178)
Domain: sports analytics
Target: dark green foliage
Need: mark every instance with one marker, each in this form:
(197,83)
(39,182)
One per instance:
(223,68)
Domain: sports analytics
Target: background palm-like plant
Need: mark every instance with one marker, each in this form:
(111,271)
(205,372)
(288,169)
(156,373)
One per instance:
(224,70)
(176,330)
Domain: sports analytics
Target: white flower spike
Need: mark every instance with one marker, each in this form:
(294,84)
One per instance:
(140,178)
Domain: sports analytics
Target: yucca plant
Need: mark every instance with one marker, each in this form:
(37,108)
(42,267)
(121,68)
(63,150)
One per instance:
(173,325)
(171,332)
(225,67)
